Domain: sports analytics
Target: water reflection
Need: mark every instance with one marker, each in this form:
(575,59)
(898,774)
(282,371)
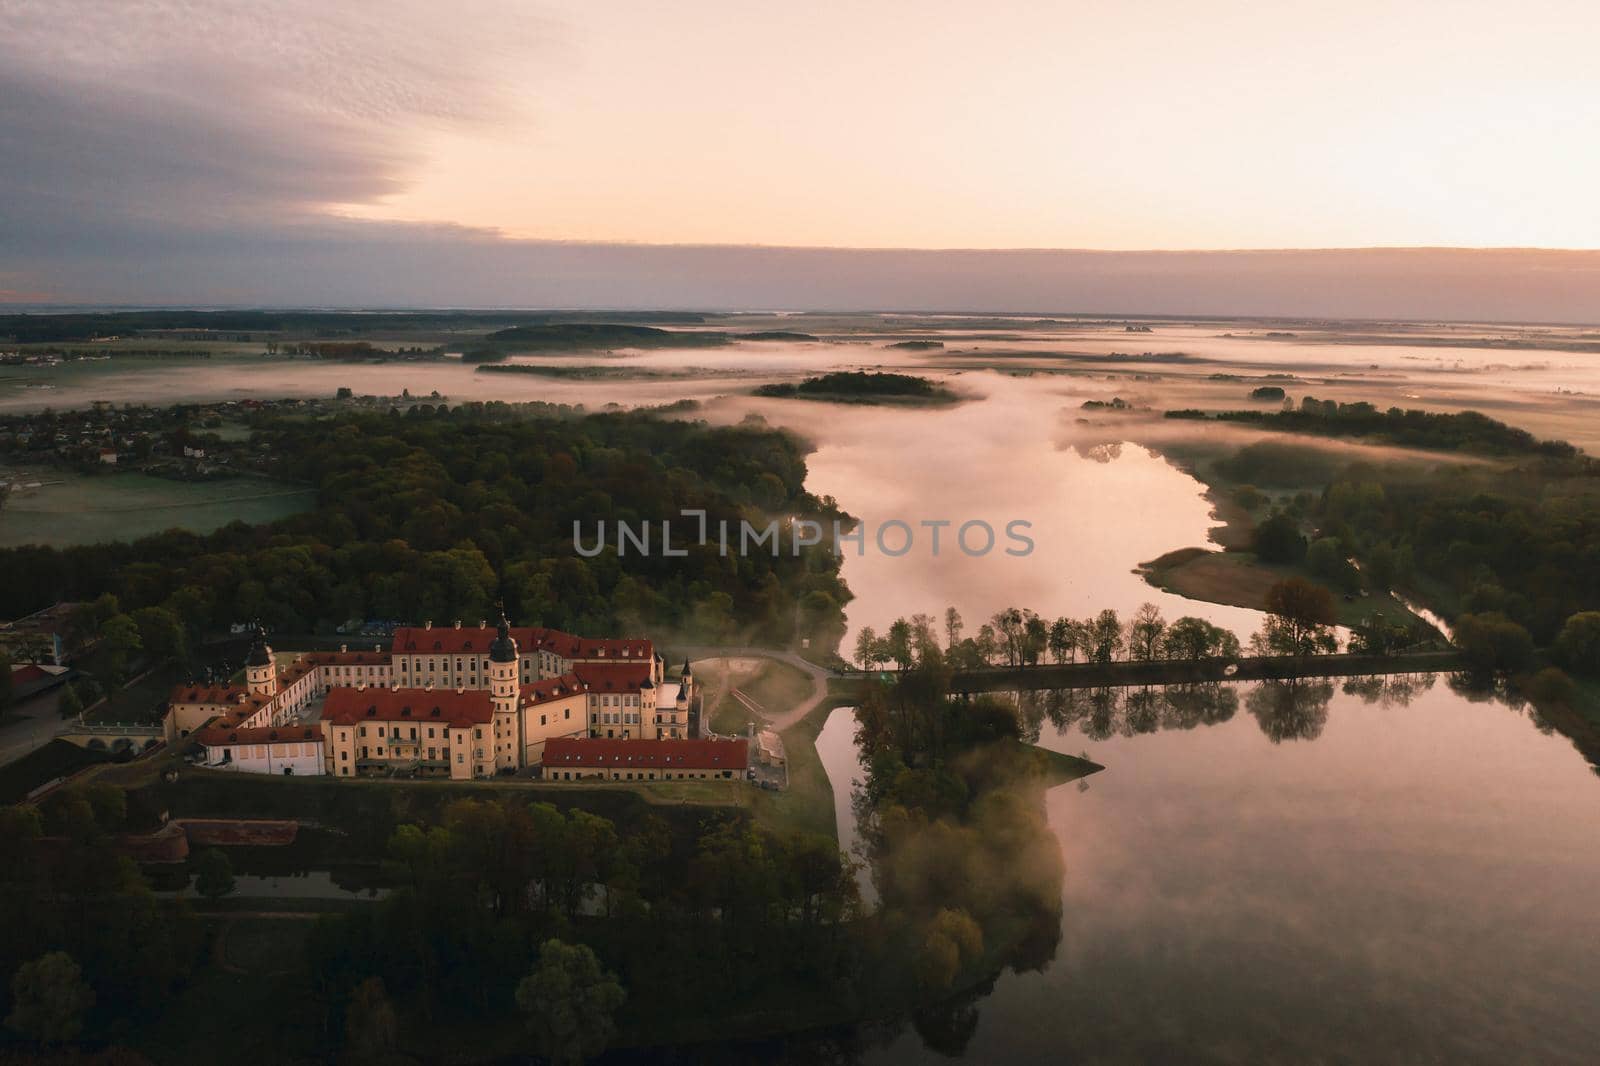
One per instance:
(1294,709)
(1332,868)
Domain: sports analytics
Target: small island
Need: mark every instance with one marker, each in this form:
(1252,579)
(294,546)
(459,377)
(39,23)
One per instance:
(916,346)
(859,386)
(775,335)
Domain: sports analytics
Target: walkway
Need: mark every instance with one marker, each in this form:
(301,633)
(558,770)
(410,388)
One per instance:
(784,719)
(30,725)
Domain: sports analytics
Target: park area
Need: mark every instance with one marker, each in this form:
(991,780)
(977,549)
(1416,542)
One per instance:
(62,508)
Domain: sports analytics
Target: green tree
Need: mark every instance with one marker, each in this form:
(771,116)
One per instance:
(1325,557)
(1551,685)
(119,637)
(866,647)
(1105,636)
(161,633)
(370,1025)
(1278,540)
(20,826)
(952,940)
(1578,645)
(1493,644)
(49,999)
(1144,633)
(1196,638)
(70,705)
(1063,640)
(1375,635)
(213,874)
(569,1002)
(1300,616)
(952,627)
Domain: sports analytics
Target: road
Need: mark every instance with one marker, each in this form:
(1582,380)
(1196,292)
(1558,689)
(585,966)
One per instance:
(783,719)
(29,725)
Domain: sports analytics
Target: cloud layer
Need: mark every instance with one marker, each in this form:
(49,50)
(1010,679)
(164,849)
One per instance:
(185,153)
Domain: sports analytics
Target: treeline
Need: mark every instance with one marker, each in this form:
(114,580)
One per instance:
(566,336)
(89,949)
(1466,431)
(858,383)
(434,513)
(1300,620)
(654,934)
(1017,636)
(1524,544)
(35,328)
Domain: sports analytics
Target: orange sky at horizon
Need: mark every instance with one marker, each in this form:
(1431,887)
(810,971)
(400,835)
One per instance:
(1161,125)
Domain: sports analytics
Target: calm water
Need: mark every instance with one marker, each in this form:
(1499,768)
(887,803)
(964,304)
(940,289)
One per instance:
(1414,884)
(1256,879)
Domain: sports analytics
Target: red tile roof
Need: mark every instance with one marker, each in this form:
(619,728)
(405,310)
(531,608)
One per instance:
(347,706)
(651,754)
(347,658)
(218,735)
(613,677)
(229,694)
(448,640)
(555,688)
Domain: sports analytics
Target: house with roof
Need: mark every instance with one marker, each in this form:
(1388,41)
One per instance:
(460,702)
(646,760)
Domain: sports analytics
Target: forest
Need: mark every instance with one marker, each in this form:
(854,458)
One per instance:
(434,513)
(1465,431)
(48,328)
(860,386)
(514,926)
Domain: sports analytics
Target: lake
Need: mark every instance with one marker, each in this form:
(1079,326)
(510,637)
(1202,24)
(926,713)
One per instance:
(1409,879)
(1404,874)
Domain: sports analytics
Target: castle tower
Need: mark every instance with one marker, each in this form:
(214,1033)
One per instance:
(503,692)
(261,668)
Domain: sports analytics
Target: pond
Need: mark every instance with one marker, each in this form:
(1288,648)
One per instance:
(1353,871)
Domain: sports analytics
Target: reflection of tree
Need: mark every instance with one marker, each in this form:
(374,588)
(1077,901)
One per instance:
(1291,710)
(946,1028)
(1393,690)
(1102,713)
(1207,703)
(1032,709)
(1141,710)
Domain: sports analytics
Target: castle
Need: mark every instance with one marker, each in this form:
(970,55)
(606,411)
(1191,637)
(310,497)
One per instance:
(457,702)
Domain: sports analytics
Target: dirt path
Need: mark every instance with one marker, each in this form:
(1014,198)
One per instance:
(779,720)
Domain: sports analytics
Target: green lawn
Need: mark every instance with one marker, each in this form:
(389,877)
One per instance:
(1239,579)
(808,803)
(776,686)
(70,508)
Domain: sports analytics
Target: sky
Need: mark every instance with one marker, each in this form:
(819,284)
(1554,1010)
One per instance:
(756,154)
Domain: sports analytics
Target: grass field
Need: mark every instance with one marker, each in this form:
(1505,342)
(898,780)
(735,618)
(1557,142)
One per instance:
(807,804)
(70,508)
(776,686)
(1239,579)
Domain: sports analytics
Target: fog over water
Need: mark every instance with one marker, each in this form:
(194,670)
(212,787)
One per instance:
(1098,502)
(1267,875)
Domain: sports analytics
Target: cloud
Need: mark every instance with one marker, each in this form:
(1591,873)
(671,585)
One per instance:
(127,115)
(162,152)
